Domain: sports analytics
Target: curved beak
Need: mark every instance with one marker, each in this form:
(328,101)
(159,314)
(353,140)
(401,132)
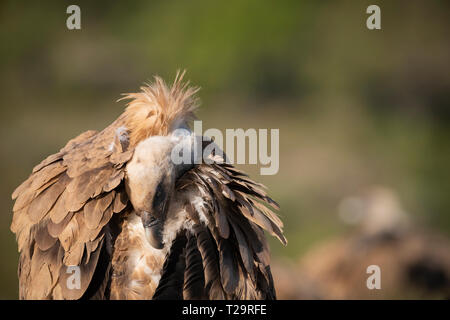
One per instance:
(153,230)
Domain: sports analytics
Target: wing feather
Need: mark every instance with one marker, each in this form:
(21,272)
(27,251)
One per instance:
(194,278)
(208,251)
(61,217)
(230,220)
(170,286)
(244,249)
(42,204)
(94,209)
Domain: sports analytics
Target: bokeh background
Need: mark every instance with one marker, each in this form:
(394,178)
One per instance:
(363,116)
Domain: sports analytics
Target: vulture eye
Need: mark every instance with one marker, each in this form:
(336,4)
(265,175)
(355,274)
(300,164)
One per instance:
(160,195)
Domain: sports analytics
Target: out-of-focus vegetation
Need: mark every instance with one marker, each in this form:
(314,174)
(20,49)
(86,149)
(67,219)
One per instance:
(355,108)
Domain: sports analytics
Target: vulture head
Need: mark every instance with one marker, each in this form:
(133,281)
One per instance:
(150,181)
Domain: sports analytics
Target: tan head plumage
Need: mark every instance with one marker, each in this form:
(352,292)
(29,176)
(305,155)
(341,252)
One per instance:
(157,109)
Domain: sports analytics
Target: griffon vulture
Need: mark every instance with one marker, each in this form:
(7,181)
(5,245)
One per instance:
(138,225)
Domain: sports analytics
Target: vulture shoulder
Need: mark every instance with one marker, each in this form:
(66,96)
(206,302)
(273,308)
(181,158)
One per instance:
(61,215)
(224,253)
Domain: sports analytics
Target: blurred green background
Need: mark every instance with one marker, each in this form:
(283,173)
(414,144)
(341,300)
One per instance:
(355,108)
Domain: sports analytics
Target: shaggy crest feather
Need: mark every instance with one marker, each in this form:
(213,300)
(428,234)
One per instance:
(158,109)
